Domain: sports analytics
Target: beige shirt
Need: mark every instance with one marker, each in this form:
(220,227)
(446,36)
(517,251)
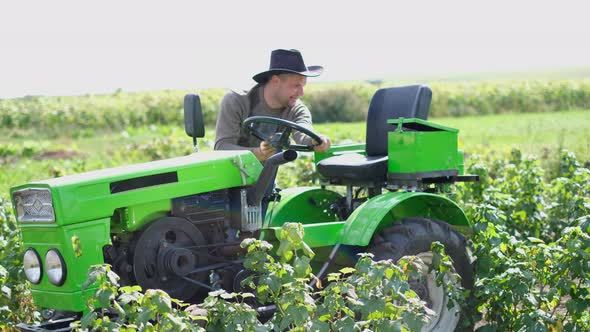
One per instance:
(238,106)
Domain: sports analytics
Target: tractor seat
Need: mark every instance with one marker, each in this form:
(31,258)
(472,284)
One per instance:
(411,101)
(354,167)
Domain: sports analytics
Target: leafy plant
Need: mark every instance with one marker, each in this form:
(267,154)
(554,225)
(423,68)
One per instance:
(372,295)
(16,304)
(337,102)
(115,308)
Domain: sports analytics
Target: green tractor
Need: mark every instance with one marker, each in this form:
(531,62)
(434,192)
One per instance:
(177,224)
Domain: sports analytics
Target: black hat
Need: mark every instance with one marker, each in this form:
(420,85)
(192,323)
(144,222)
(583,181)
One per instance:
(287,61)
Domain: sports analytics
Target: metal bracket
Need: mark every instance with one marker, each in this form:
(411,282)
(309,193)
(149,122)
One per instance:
(240,165)
(251,215)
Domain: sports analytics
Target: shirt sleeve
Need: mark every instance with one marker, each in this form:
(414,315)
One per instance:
(302,117)
(229,121)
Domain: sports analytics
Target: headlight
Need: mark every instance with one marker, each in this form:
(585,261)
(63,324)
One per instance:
(33,204)
(55,267)
(32,266)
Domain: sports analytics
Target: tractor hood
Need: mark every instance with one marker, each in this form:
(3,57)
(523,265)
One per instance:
(92,195)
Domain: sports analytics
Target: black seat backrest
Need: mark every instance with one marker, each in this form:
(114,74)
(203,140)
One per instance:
(412,101)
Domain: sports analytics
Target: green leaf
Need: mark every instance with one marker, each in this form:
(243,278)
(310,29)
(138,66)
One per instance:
(319,326)
(130,289)
(105,296)
(488,328)
(145,315)
(127,298)
(88,319)
(301,266)
(247,295)
(535,240)
(6,292)
(333,276)
(217,293)
(160,299)
(345,324)
(228,296)
(113,278)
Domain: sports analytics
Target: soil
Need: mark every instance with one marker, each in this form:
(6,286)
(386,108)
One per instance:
(57,154)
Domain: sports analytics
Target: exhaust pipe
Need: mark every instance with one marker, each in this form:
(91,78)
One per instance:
(268,175)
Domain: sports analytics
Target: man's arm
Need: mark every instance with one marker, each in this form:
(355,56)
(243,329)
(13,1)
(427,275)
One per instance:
(229,122)
(228,128)
(302,117)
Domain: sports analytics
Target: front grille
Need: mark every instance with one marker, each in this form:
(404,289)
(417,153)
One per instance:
(34,204)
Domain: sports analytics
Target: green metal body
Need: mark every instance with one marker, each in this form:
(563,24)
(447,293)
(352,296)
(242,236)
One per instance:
(86,209)
(87,196)
(89,208)
(323,228)
(93,236)
(419,146)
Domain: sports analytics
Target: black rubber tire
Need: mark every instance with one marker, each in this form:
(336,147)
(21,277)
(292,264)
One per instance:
(415,235)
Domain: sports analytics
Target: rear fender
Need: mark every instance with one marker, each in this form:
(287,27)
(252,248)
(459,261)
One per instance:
(381,211)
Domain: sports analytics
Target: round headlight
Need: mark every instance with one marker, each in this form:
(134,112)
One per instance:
(32,266)
(55,267)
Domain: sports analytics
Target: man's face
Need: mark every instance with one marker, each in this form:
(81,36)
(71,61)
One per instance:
(289,88)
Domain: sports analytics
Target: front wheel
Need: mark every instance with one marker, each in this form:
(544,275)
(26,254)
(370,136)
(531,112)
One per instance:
(414,236)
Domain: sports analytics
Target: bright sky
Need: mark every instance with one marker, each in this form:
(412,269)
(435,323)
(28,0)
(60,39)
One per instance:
(76,47)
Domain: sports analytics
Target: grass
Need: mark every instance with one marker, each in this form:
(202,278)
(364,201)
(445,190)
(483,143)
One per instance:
(533,133)
(541,134)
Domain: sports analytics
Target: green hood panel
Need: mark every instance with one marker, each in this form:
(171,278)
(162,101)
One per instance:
(94,195)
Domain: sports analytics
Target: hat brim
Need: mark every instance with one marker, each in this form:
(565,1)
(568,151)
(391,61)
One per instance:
(312,71)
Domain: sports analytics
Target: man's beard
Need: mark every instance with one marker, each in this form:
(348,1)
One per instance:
(291,102)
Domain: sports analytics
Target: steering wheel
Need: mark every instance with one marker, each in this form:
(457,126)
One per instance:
(280,140)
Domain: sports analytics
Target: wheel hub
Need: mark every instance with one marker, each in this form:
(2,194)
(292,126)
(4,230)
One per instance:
(420,287)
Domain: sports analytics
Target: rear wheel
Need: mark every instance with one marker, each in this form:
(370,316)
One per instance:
(414,236)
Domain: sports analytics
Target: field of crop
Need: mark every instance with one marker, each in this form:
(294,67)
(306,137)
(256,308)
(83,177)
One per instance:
(531,210)
(82,115)
(25,159)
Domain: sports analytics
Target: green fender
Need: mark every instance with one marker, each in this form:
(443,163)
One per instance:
(381,211)
(306,205)
(309,206)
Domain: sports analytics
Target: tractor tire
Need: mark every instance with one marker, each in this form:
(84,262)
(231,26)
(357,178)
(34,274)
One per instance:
(414,236)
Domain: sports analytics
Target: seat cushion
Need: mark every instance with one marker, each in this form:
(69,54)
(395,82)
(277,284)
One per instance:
(354,167)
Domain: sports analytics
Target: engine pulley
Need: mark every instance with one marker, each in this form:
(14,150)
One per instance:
(162,257)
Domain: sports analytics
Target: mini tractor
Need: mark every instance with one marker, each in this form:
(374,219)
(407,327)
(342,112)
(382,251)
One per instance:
(177,224)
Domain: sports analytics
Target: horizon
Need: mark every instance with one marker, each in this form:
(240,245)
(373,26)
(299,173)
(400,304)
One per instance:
(582,72)
(68,48)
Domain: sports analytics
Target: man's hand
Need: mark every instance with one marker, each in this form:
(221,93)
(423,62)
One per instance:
(264,151)
(326,143)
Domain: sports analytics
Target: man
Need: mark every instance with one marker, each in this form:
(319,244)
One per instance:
(276,95)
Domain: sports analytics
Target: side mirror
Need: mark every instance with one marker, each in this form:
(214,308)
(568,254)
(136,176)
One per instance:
(193,117)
